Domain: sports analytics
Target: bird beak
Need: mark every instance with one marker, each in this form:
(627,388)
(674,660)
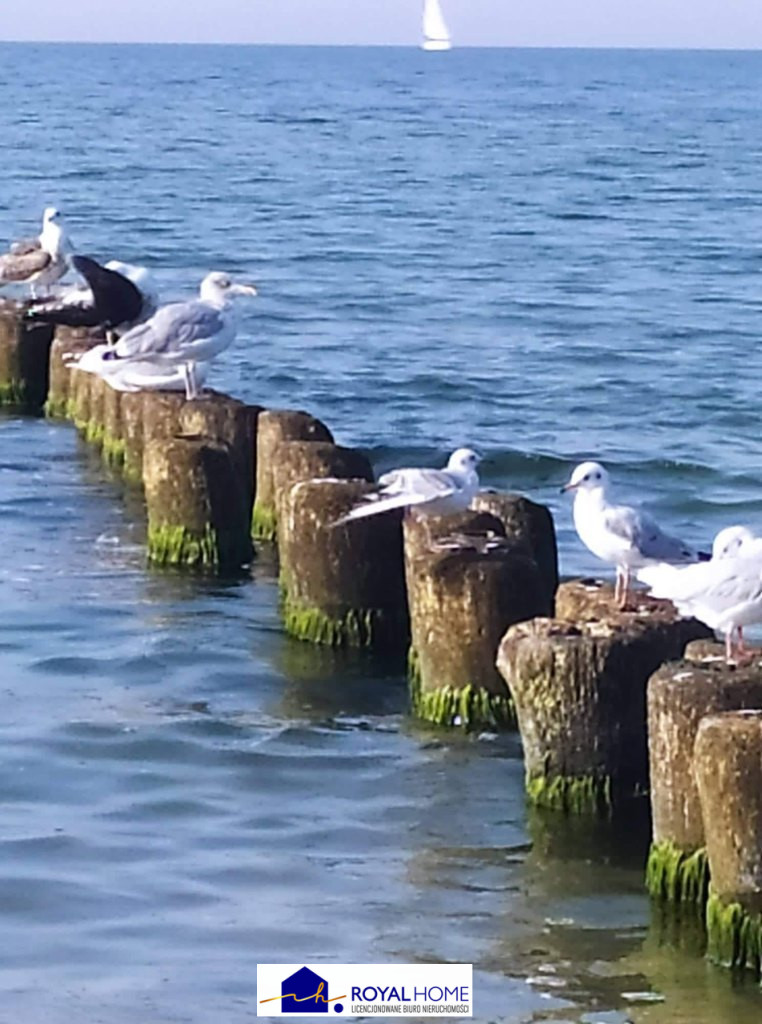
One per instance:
(569,487)
(244,289)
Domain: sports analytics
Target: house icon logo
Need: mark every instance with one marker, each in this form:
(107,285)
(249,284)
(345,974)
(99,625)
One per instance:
(305,992)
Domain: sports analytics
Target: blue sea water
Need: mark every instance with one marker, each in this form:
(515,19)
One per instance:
(548,255)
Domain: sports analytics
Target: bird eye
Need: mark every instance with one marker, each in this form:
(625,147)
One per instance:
(596,476)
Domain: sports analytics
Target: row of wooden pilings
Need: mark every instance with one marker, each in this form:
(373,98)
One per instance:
(611,705)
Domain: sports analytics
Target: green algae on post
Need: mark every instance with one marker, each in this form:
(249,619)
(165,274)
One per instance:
(677,876)
(572,795)
(734,935)
(470,708)
(355,628)
(264,522)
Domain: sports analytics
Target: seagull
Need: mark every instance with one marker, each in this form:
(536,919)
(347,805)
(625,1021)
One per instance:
(184,334)
(619,534)
(433,492)
(117,296)
(724,593)
(135,375)
(38,261)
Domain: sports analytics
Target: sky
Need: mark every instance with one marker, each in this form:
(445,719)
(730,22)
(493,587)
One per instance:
(636,23)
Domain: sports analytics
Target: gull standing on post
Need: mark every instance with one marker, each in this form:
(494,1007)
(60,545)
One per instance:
(38,262)
(619,534)
(184,334)
(724,593)
(433,492)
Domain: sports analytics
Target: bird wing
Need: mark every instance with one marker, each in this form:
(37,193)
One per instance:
(401,488)
(639,530)
(24,246)
(707,589)
(171,330)
(419,484)
(22,266)
(115,298)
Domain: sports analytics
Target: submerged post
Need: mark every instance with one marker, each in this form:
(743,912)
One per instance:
(680,695)
(466,584)
(24,360)
(196,508)
(728,764)
(341,585)
(275,426)
(580,695)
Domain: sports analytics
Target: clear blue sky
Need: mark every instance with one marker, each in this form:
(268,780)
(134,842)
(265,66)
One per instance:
(680,23)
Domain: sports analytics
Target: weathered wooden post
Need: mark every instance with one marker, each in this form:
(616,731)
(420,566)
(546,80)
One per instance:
(24,360)
(580,695)
(466,584)
(728,765)
(146,416)
(131,425)
(196,507)
(112,441)
(275,426)
(80,384)
(680,695)
(295,461)
(68,343)
(528,522)
(341,585)
(96,422)
(226,419)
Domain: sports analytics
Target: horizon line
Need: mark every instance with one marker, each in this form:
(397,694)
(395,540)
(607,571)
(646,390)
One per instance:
(625,47)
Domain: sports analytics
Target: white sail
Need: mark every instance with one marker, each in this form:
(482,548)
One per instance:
(436,35)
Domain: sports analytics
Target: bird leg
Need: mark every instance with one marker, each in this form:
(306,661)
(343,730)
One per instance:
(194,394)
(622,589)
(190,383)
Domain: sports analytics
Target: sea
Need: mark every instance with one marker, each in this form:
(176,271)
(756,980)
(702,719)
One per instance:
(547,255)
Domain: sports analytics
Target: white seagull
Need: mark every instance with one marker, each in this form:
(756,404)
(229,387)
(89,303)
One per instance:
(619,534)
(184,334)
(433,492)
(724,593)
(38,261)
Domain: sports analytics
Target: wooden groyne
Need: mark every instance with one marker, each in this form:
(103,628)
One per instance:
(611,705)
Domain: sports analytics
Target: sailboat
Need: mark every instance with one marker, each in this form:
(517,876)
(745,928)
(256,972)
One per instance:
(436,35)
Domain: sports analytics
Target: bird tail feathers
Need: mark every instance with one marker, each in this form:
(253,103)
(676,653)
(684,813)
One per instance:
(375,506)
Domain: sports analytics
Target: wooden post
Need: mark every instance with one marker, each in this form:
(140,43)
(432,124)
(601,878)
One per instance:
(580,695)
(466,584)
(527,522)
(275,426)
(68,342)
(344,585)
(24,360)
(728,764)
(223,418)
(296,461)
(680,695)
(196,509)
